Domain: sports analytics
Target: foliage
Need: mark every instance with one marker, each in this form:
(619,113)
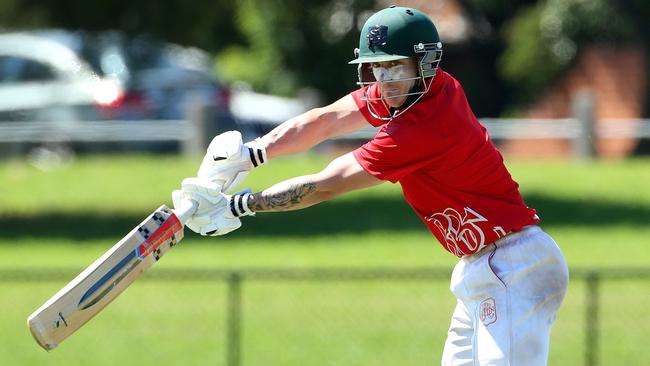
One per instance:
(203,23)
(543,39)
(289,45)
(12,16)
(257,61)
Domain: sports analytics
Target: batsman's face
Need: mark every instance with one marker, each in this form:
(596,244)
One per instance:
(396,78)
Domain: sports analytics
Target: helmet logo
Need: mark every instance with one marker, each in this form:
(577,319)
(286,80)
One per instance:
(377,35)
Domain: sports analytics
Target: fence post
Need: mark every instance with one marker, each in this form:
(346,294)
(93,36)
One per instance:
(591,320)
(201,120)
(233,351)
(583,105)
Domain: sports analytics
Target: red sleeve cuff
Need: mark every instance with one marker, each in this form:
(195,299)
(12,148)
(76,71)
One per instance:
(361,158)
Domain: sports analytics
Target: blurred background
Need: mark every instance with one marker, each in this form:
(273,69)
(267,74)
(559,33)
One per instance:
(106,106)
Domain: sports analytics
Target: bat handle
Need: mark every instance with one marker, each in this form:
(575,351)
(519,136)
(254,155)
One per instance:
(185,211)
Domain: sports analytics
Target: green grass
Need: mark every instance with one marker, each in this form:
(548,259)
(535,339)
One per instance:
(598,212)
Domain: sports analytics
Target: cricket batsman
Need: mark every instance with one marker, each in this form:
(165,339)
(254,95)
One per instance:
(511,276)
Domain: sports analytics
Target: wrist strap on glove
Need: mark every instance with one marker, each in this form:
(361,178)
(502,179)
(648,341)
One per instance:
(239,205)
(257,152)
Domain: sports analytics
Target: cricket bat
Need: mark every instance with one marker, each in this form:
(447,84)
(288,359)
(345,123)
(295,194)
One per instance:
(100,283)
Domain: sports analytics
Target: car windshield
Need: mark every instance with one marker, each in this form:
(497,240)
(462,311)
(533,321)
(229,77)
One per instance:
(113,54)
(117,55)
(19,69)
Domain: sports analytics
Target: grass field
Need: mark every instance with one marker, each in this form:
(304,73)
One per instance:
(599,213)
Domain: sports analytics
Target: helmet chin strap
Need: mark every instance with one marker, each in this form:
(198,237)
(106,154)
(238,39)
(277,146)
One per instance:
(414,95)
(411,98)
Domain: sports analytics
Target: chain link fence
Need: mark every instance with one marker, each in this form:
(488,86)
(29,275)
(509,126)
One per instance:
(380,316)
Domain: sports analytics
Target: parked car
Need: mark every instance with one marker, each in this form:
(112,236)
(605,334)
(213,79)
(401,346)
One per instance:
(44,80)
(158,79)
(63,76)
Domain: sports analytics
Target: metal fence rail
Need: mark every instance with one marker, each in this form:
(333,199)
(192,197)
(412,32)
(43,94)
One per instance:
(624,128)
(180,130)
(195,133)
(236,279)
(95,131)
(533,128)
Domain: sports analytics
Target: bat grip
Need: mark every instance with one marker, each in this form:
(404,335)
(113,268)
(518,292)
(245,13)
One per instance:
(185,211)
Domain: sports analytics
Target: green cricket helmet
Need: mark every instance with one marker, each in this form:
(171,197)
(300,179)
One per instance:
(397,33)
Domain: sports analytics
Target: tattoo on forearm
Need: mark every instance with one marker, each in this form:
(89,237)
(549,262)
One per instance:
(281,198)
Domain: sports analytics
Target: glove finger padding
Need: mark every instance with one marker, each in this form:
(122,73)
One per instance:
(226,224)
(203,191)
(213,215)
(177,198)
(228,160)
(218,222)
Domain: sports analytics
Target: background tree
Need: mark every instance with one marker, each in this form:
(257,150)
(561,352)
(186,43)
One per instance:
(289,44)
(203,23)
(543,39)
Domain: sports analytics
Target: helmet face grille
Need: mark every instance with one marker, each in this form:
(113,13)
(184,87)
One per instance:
(429,56)
(394,113)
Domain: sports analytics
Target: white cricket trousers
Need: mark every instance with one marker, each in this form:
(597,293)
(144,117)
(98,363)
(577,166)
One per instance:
(508,296)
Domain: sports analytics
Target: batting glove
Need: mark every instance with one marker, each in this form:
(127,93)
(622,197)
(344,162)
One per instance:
(213,215)
(228,160)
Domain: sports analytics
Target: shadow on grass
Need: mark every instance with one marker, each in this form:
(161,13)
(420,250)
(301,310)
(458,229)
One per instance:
(330,218)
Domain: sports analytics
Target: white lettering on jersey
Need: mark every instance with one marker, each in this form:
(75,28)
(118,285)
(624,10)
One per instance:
(499,231)
(456,229)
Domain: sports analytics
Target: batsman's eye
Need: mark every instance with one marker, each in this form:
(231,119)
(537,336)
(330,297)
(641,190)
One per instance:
(387,64)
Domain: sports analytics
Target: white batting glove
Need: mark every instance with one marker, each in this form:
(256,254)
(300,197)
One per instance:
(213,216)
(228,160)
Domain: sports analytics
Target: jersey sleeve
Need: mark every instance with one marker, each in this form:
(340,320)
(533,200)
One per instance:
(392,154)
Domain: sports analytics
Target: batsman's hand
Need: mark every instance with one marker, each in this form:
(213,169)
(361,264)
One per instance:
(228,160)
(213,215)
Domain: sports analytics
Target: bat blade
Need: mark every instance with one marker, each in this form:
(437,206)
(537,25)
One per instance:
(100,283)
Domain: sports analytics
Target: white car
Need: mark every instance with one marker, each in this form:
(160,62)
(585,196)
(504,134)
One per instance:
(43,80)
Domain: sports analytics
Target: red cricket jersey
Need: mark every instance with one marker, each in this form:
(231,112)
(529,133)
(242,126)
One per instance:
(451,173)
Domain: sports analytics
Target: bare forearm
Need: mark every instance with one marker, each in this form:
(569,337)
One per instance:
(342,175)
(301,133)
(296,135)
(289,195)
